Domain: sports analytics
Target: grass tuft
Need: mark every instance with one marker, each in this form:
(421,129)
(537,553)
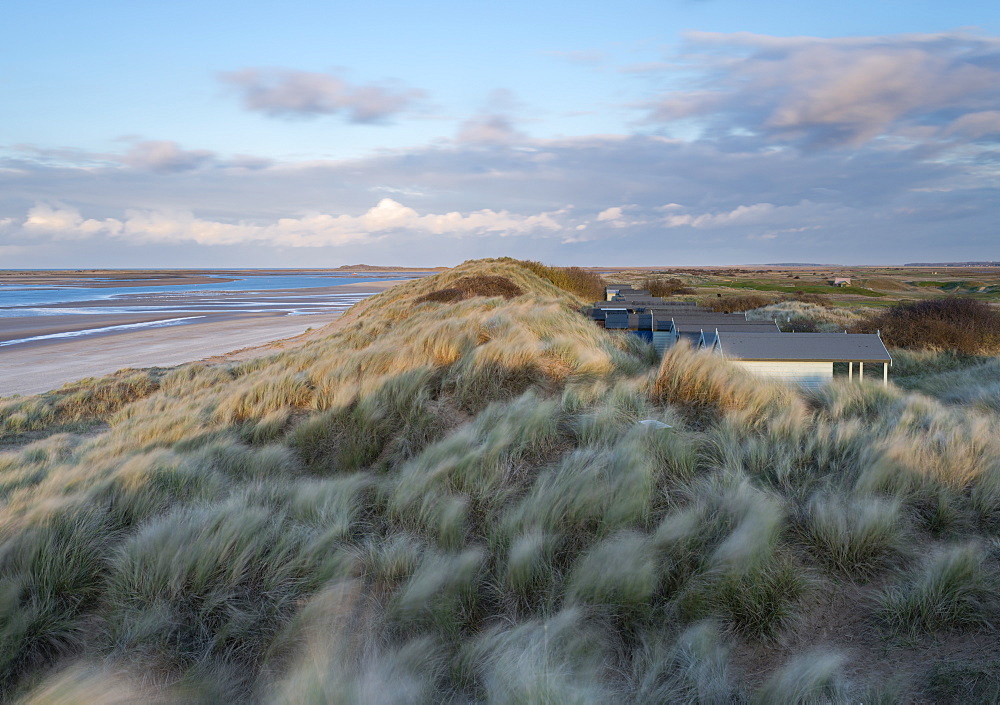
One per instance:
(950,590)
(812,678)
(856,536)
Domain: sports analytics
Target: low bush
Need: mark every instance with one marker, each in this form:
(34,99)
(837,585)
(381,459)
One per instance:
(737,303)
(467,287)
(665,287)
(958,324)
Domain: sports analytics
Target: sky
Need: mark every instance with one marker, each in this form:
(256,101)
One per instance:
(666,133)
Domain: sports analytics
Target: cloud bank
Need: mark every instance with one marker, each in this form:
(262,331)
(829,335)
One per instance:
(318,230)
(841,91)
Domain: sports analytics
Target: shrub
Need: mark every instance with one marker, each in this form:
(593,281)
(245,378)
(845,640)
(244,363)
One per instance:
(960,324)
(737,303)
(665,287)
(442,296)
(478,285)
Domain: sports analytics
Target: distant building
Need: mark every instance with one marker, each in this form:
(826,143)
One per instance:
(842,281)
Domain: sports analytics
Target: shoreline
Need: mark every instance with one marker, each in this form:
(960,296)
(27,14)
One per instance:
(43,365)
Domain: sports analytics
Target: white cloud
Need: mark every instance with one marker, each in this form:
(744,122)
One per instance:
(739,215)
(66,222)
(318,230)
(613,213)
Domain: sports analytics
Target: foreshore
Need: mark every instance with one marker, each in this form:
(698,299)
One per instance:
(39,366)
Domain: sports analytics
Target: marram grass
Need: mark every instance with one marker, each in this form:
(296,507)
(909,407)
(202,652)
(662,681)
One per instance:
(452,499)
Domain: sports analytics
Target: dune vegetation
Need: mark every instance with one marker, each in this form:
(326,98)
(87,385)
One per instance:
(478,496)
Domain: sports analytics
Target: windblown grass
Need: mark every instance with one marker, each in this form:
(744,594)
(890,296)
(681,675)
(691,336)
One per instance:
(950,590)
(803,316)
(75,406)
(458,501)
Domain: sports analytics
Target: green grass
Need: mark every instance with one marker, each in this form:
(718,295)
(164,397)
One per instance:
(448,500)
(805,289)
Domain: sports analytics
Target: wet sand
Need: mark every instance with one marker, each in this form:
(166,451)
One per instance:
(39,366)
(122,278)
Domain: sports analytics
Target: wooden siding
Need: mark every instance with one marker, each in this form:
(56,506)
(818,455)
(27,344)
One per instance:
(662,339)
(810,375)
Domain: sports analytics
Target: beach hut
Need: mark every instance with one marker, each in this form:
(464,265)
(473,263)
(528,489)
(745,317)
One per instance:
(804,358)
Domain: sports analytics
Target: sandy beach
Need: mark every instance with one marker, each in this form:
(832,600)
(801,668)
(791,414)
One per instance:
(39,366)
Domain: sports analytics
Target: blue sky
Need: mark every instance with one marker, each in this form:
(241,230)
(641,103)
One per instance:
(317,134)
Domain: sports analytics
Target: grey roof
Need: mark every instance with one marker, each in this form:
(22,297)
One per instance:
(707,319)
(741,326)
(645,300)
(747,327)
(815,347)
